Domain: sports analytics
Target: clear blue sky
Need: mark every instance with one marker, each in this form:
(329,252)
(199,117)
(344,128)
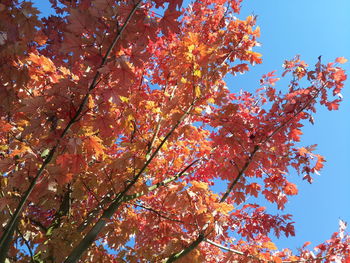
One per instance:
(309,28)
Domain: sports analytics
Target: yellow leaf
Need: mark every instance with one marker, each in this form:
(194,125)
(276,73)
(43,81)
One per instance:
(91,103)
(150,105)
(64,70)
(341,60)
(200,185)
(197,73)
(191,48)
(124,99)
(211,100)
(270,245)
(225,208)
(198,110)
(197,91)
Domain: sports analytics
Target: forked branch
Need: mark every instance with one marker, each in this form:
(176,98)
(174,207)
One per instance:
(8,233)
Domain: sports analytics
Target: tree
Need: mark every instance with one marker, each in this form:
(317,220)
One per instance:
(116,122)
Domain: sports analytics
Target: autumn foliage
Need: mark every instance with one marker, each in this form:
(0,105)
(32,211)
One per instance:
(116,124)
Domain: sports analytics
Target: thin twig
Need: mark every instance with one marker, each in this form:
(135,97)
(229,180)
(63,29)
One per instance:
(27,245)
(223,247)
(107,198)
(159,213)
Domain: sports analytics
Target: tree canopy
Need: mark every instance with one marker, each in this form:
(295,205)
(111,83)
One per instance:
(117,124)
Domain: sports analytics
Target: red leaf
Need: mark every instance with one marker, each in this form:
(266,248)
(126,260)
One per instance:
(169,22)
(334,105)
(339,75)
(253,189)
(72,162)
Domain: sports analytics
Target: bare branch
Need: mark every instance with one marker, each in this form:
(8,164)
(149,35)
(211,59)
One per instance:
(27,245)
(159,213)
(163,183)
(223,247)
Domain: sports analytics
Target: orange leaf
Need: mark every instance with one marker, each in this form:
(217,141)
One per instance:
(306,244)
(277,260)
(319,163)
(96,145)
(291,189)
(341,60)
(303,151)
(199,185)
(269,245)
(295,134)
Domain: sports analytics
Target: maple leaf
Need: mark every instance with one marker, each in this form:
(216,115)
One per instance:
(45,63)
(175,3)
(224,208)
(339,75)
(103,104)
(253,189)
(295,134)
(169,22)
(302,151)
(72,162)
(269,245)
(308,178)
(64,178)
(319,163)
(239,197)
(290,189)
(139,56)
(95,143)
(333,105)
(199,185)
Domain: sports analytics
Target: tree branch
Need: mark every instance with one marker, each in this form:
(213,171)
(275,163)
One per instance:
(107,198)
(187,250)
(28,246)
(294,115)
(163,183)
(240,174)
(223,247)
(153,140)
(108,213)
(242,254)
(62,211)
(159,213)
(196,242)
(7,235)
